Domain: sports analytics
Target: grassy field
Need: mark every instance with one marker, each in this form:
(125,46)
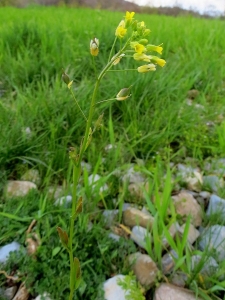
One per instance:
(35,44)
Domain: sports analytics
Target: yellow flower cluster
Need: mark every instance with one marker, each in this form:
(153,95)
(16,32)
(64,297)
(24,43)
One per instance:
(138,42)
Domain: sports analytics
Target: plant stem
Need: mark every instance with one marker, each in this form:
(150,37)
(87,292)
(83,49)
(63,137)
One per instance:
(77,170)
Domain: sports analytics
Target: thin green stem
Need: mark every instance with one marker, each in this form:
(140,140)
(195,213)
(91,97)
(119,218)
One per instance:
(76,176)
(110,54)
(105,100)
(122,70)
(78,104)
(77,169)
(94,65)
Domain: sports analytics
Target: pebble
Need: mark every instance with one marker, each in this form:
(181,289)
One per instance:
(185,205)
(95,181)
(144,268)
(216,206)
(139,235)
(213,183)
(110,217)
(210,266)
(133,216)
(133,176)
(5,250)
(18,188)
(168,291)
(65,201)
(193,233)
(213,238)
(113,291)
(10,292)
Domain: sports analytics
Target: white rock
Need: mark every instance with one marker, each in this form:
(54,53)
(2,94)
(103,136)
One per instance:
(113,291)
(93,181)
(10,292)
(66,200)
(45,296)
(5,250)
(141,236)
(110,217)
(17,188)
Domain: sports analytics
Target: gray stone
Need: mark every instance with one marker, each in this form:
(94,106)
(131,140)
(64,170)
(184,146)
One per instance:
(213,183)
(133,217)
(17,188)
(174,228)
(133,176)
(204,194)
(10,292)
(114,236)
(65,201)
(213,239)
(94,180)
(168,262)
(185,205)
(216,206)
(210,266)
(5,250)
(22,293)
(113,291)
(179,278)
(193,233)
(167,291)
(110,217)
(144,268)
(140,235)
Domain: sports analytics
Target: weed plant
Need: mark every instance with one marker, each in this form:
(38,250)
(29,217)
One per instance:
(38,124)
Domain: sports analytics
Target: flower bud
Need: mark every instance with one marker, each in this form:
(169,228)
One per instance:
(123,94)
(143,41)
(65,77)
(155,48)
(94,44)
(146,68)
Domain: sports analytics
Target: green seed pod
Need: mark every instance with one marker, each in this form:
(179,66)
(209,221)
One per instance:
(65,77)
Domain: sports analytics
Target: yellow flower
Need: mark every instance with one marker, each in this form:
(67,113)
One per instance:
(146,68)
(139,48)
(141,56)
(158,61)
(129,16)
(158,49)
(94,44)
(121,30)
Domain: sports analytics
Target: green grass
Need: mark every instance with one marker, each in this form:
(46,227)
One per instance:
(154,122)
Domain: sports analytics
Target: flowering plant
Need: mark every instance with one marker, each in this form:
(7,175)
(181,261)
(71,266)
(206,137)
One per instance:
(133,36)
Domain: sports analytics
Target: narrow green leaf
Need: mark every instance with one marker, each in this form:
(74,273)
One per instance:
(77,271)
